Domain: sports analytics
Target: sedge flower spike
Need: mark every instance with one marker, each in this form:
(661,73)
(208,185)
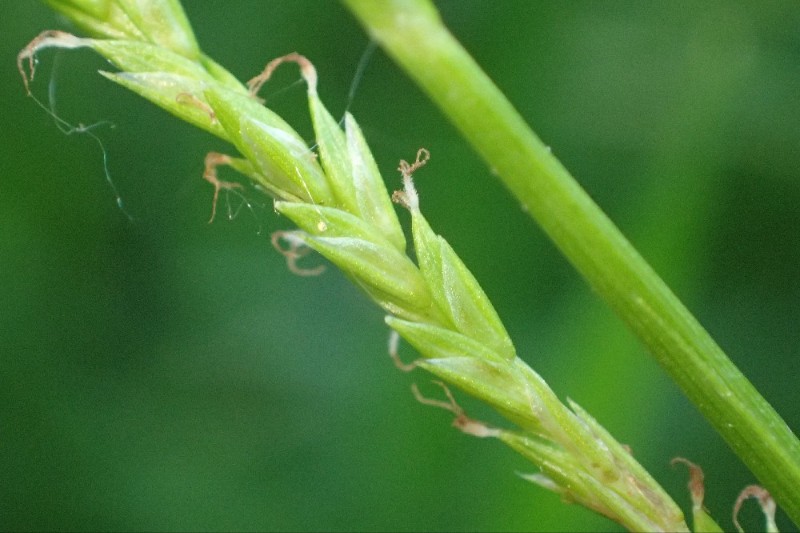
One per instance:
(339,202)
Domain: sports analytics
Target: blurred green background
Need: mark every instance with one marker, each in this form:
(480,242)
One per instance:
(167,374)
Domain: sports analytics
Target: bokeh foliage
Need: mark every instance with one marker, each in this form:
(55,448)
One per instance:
(166,374)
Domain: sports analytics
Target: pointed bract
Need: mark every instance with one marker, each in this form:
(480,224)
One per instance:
(364,254)
(275,149)
(99,18)
(435,342)
(160,22)
(374,203)
(135,56)
(456,291)
(167,91)
(333,155)
(492,382)
(164,23)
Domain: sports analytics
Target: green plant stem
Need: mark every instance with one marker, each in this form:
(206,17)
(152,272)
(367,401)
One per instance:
(413,34)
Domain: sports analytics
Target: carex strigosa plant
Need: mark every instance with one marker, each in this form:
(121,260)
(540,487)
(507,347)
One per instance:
(339,202)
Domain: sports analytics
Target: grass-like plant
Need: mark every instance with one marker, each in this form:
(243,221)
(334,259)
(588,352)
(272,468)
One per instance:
(338,199)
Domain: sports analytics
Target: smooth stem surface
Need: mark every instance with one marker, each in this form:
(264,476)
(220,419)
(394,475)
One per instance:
(412,33)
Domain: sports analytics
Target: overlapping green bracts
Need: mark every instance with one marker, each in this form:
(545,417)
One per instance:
(340,203)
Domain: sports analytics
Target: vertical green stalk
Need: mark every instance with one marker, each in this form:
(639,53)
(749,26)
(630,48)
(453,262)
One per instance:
(413,34)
